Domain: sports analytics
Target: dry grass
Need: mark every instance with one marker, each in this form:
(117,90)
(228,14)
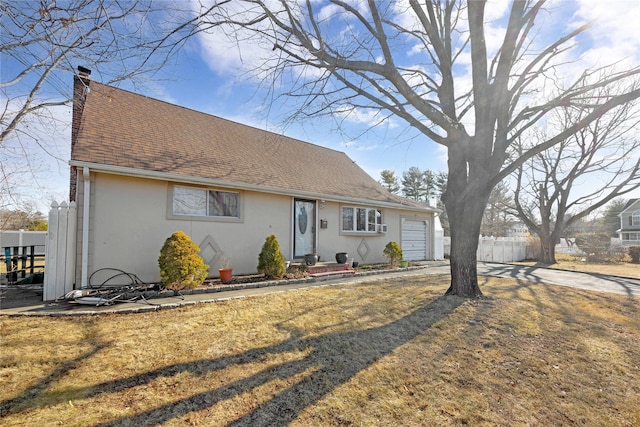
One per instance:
(577,263)
(378,354)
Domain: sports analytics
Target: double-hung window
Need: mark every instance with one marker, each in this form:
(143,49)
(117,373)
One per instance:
(362,220)
(204,202)
(634,219)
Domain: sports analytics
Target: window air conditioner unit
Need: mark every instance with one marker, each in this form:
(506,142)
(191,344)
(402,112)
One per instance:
(382,228)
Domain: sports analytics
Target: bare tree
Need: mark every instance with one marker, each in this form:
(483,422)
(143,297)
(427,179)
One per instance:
(42,42)
(26,218)
(605,155)
(337,56)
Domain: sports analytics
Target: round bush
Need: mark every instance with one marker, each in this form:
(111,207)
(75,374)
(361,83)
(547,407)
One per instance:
(271,262)
(180,265)
(393,253)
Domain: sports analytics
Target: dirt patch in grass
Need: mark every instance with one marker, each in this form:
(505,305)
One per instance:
(392,352)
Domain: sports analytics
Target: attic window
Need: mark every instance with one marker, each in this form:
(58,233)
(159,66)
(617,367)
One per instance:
(634,219)
(203,202)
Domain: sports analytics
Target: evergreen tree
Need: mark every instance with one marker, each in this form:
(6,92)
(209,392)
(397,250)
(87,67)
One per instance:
(389,180)
(416,184)
(497,218)
(440,184)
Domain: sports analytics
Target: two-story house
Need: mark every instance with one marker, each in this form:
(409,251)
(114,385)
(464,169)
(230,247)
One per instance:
(629,232)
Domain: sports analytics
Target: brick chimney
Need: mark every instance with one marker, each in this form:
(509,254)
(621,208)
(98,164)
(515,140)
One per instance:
(80,90)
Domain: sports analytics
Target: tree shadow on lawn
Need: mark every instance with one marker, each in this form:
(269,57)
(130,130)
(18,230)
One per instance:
(549,295)
(332,360)
(598,282)
(25,399)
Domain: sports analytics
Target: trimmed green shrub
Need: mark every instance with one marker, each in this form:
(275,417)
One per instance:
(180,265)
(634,253)
(271,262)
(393,253)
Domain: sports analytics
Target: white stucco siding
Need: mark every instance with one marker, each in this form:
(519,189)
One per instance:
(130,218)
(128,225)
(130,222)
(366,248)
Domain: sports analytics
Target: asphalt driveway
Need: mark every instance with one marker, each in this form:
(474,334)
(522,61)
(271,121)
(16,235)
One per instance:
(587,281)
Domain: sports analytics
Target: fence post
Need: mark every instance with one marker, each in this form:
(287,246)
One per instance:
(60,251)
(49,290)
(70,258)
(61,248)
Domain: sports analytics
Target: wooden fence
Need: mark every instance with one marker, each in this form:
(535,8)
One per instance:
(59,274)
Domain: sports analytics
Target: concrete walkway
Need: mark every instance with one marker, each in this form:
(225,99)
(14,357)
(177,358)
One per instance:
(35,307)
(587,281)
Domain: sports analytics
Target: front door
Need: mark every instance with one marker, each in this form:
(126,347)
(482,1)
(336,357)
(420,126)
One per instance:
(304,227)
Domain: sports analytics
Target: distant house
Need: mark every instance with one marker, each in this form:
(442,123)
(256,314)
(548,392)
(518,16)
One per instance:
(629,232)
(143,168)
(518,230)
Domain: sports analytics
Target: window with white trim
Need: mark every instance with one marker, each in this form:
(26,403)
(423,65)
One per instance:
(360,220)
(631,236)
(634,219)
(204,202)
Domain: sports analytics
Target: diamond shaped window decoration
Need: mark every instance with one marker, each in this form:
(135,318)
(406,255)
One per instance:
(209,250)
(363,249)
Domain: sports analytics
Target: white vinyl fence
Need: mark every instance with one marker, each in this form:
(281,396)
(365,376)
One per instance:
(499,249)
(22,253)
(59,274)
(12,238)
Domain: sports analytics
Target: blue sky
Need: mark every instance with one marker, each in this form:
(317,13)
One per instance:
(207,76)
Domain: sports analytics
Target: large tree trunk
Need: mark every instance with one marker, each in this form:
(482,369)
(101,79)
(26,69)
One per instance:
(464,272)
(547,249)
(549,234)
(465,217)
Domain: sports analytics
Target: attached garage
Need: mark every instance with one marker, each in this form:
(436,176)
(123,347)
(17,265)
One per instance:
(415,239)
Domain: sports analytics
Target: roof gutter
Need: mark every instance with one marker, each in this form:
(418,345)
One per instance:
(165,176)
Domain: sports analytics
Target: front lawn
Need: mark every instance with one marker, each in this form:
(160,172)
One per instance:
(392,352)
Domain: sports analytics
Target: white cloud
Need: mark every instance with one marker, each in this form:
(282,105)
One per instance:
(366,118)
(615,33)
(226,53)
(158,91)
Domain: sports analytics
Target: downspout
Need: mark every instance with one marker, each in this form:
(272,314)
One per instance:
(85,227)
(432,233)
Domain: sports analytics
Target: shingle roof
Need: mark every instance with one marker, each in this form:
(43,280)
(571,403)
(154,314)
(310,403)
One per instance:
(127,130)
(630,203)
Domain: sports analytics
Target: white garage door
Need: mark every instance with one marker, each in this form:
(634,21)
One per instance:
(415,240)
